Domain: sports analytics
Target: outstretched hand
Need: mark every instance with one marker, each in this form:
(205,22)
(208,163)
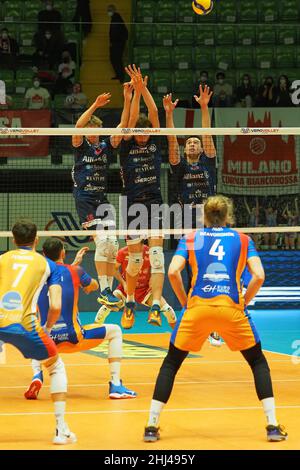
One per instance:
(80,254)
(168,104)
(127,90)
(136,77)
(102,100)
(204,95)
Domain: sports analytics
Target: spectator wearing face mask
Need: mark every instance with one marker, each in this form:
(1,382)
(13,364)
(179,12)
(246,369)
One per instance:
(48,50)
(66,72)
(118,35)
(222,96)
(282,92)
(76,100)
(245,92)
(49,18)
(37,97)
(9,49)
(266,94)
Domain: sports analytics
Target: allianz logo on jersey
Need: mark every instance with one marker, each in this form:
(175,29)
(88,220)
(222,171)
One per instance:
(209,289)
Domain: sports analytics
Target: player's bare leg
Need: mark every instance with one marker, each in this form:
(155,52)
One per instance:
(135,263)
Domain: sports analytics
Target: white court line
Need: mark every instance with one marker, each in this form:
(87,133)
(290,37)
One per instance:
(180,382)
(166,410)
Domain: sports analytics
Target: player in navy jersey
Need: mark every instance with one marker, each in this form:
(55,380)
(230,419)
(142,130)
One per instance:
(92,157)
(140,160)
(218,257)
(68,333)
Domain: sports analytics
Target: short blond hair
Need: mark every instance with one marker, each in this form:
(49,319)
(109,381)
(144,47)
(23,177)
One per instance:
(218,211)
(94,121)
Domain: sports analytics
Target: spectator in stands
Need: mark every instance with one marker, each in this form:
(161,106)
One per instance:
(118,35)
(292,218)
(66,73)
(9,50)
(245,92)
(222,96)
(37,97)
(48,50)
(270,239)
(49,18)
(282,92)
(266,93)
(76,100)
(253,219)
(82,17)
(8,104)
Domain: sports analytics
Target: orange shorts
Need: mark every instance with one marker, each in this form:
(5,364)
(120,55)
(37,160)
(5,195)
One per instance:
(195,324)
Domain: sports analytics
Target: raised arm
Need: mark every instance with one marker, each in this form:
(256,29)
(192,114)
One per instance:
(174,152)
(203,100)
(100,101)
(127,92)
(247,206)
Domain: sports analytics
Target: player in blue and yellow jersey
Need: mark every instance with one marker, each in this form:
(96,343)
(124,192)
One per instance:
(92,159)
(68,333)
(140,160)
(23,272)
(218,257)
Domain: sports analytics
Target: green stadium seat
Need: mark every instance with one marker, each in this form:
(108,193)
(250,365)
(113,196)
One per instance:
(246,35)
(162,57)
(224,57)
(266,34)
(226,11)
(165,11)
(18,102)
(182,57)
(211,18)
(142,56)
(12,14)
(251,72)
(24,73)
(225,34)
(289,10)
(184,35)
(297,56)
(29,28)
(248,11)
(145,11)
(244,57)
(286,35)
(22,84)
(162,82)
(73,36)
(264,57)
(262,74)
(26,38)
(27,50)
(185,13)
(31,14)
(204,35)
(285,56)
(70,27)
(59,102)
(164,36)
(268,11)
(183,80)
(292,74)
(204,58)
(143,34)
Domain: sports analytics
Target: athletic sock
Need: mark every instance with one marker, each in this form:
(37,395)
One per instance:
(269,409)
(59,410)
(103,281)
(155,411)
(156,302)
(36,367)
(130,298)
(115,368)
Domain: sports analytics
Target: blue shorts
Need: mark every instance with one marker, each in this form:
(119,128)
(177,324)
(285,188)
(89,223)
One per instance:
(35,344)
(88,207)
(68,341)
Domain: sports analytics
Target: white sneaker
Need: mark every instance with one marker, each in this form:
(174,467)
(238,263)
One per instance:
(64,436)
(215,340)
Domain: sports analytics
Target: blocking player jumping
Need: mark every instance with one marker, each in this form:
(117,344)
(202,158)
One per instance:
(140,160)
(218,257)
(68,333)
(143,291)
(23,272)
(92,158)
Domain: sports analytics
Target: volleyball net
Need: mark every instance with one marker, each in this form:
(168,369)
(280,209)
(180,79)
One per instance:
(258,167)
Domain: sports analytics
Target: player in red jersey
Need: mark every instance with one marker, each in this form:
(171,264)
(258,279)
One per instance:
(143,291)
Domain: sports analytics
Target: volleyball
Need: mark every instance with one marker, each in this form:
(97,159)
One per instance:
(202,7)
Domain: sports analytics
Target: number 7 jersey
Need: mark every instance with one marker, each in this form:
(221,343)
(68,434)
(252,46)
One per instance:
(217,257)
(23,273)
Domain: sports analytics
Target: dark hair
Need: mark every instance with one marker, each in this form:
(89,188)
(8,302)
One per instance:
(52,248)
(24,232)
(220,75)
(203,71)
(192,137)
(143,122)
